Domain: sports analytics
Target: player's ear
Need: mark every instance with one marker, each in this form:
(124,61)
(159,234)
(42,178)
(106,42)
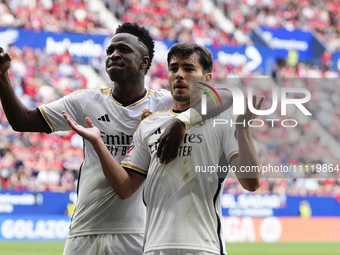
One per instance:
(144,62)
(207,77)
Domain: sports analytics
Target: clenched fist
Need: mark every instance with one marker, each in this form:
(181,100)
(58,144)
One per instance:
(5,61)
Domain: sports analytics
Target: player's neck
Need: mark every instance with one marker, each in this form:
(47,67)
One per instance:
(128,93)
(182,106)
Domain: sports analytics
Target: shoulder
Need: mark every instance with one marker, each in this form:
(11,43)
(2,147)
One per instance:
(95,90)
(96,95)
(152,120)
(158,91)
(158,94)
(89,93)
(158,115)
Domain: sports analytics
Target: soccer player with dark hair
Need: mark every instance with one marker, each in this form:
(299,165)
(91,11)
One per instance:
(102,222)
(183,204)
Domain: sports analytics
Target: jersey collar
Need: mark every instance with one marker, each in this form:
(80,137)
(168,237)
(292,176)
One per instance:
(178,111)
(129,104)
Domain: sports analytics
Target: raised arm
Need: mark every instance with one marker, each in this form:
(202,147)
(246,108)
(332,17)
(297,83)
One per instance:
(173,135)
(213,110)
(19,116)
(124,183)
(247,153)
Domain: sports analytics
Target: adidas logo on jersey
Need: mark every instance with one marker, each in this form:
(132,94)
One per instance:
(104,118)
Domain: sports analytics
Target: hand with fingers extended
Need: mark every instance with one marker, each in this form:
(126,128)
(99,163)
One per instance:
(92,133)
(170,141)
(5,61)
(248,115)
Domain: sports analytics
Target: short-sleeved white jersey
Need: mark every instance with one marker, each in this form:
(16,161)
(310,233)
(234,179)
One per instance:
(99,210)
(182,197)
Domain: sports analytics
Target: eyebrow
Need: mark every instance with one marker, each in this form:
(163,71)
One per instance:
(185,64)
(119,44)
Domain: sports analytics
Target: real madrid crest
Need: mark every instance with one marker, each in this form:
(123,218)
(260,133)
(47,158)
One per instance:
(145,113)
(199,124)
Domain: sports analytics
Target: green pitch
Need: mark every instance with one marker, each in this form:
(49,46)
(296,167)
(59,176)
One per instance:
(31,248)
(56,248)
(290,248)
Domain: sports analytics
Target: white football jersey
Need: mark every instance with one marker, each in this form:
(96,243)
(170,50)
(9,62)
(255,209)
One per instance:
(183,197)
(98,209)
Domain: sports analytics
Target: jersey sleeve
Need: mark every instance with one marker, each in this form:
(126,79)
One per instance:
(74,104)
(230,145)
(138,156)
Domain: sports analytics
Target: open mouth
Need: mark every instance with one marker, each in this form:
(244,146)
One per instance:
(114,64)
(180,86)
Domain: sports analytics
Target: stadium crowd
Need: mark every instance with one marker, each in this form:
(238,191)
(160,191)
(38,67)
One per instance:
(55,16)
(303,146)
(291,186)
(320,16)
(178,20)
(30,161)
(174,20)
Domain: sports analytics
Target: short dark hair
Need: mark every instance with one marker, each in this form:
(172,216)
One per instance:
(186,49)
(143,36)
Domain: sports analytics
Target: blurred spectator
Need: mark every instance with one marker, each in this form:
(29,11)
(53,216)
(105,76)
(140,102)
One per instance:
(326,59)
(305,210)
(293,58)
(70,209)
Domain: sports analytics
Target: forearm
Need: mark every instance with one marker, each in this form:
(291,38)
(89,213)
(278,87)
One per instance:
(193,115)
(212,108)
(14,109)
(248,159)
(119,179)
(18,115)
